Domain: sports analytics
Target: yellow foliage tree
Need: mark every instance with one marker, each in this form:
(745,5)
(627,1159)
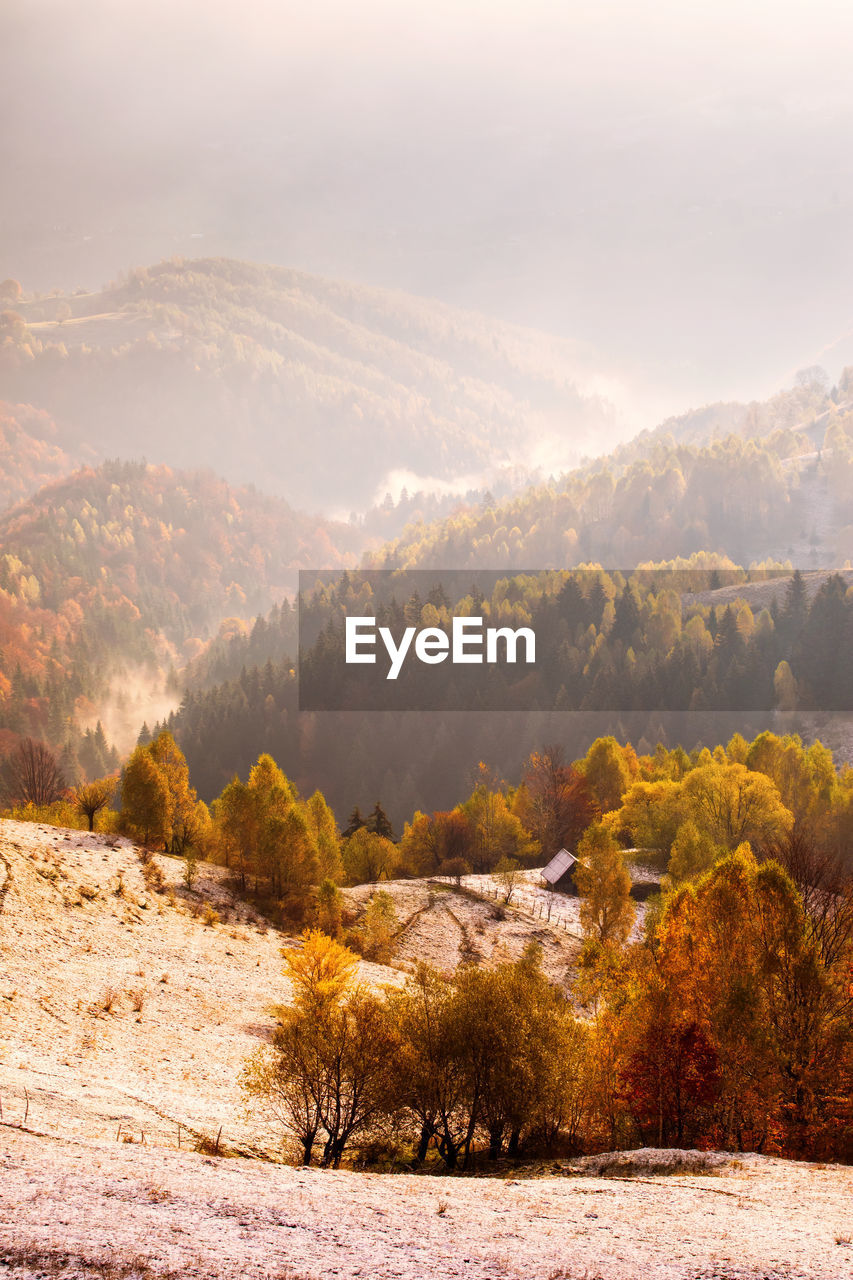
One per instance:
(321,972)
(607,911)
(731,804)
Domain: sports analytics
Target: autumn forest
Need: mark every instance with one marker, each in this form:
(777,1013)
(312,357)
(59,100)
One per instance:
(685,734)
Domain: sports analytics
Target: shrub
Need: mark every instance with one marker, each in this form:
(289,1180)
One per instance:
(380,926)
(455,868)
(190,869)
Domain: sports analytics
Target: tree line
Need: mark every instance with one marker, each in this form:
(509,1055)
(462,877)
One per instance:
(725,1021)
(769,662)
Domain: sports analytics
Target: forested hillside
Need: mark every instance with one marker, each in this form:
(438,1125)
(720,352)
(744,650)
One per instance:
(135,564)
(777,492)
(657,656)
(750,910)
(677,671)
(314,389)
(29,453)
(128,563)
(659,639)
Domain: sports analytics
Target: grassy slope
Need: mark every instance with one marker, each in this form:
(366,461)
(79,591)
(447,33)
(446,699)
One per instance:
(205,990)
(75,1201)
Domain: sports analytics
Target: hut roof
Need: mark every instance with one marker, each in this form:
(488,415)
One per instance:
(558,866)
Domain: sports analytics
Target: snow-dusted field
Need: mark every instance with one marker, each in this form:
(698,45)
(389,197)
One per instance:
(205,1217)
(559,911)
(124,1016)
(445,928)
(120,1007)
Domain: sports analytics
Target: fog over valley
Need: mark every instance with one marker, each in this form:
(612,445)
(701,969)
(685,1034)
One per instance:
(665,184)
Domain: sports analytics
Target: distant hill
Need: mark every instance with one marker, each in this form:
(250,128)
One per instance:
(783,493)
(317,390)
(185,547)
(29,453)
(126,564)
(135,564)
(806,406)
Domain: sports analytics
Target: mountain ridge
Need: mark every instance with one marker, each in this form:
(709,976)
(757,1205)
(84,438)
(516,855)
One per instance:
(267,372)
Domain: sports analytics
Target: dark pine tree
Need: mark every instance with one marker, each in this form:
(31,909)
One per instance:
(379,822)
(356,822)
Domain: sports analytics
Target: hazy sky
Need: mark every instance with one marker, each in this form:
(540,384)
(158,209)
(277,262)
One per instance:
(672,186)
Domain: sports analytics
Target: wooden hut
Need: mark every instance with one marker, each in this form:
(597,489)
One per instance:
(560,872)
